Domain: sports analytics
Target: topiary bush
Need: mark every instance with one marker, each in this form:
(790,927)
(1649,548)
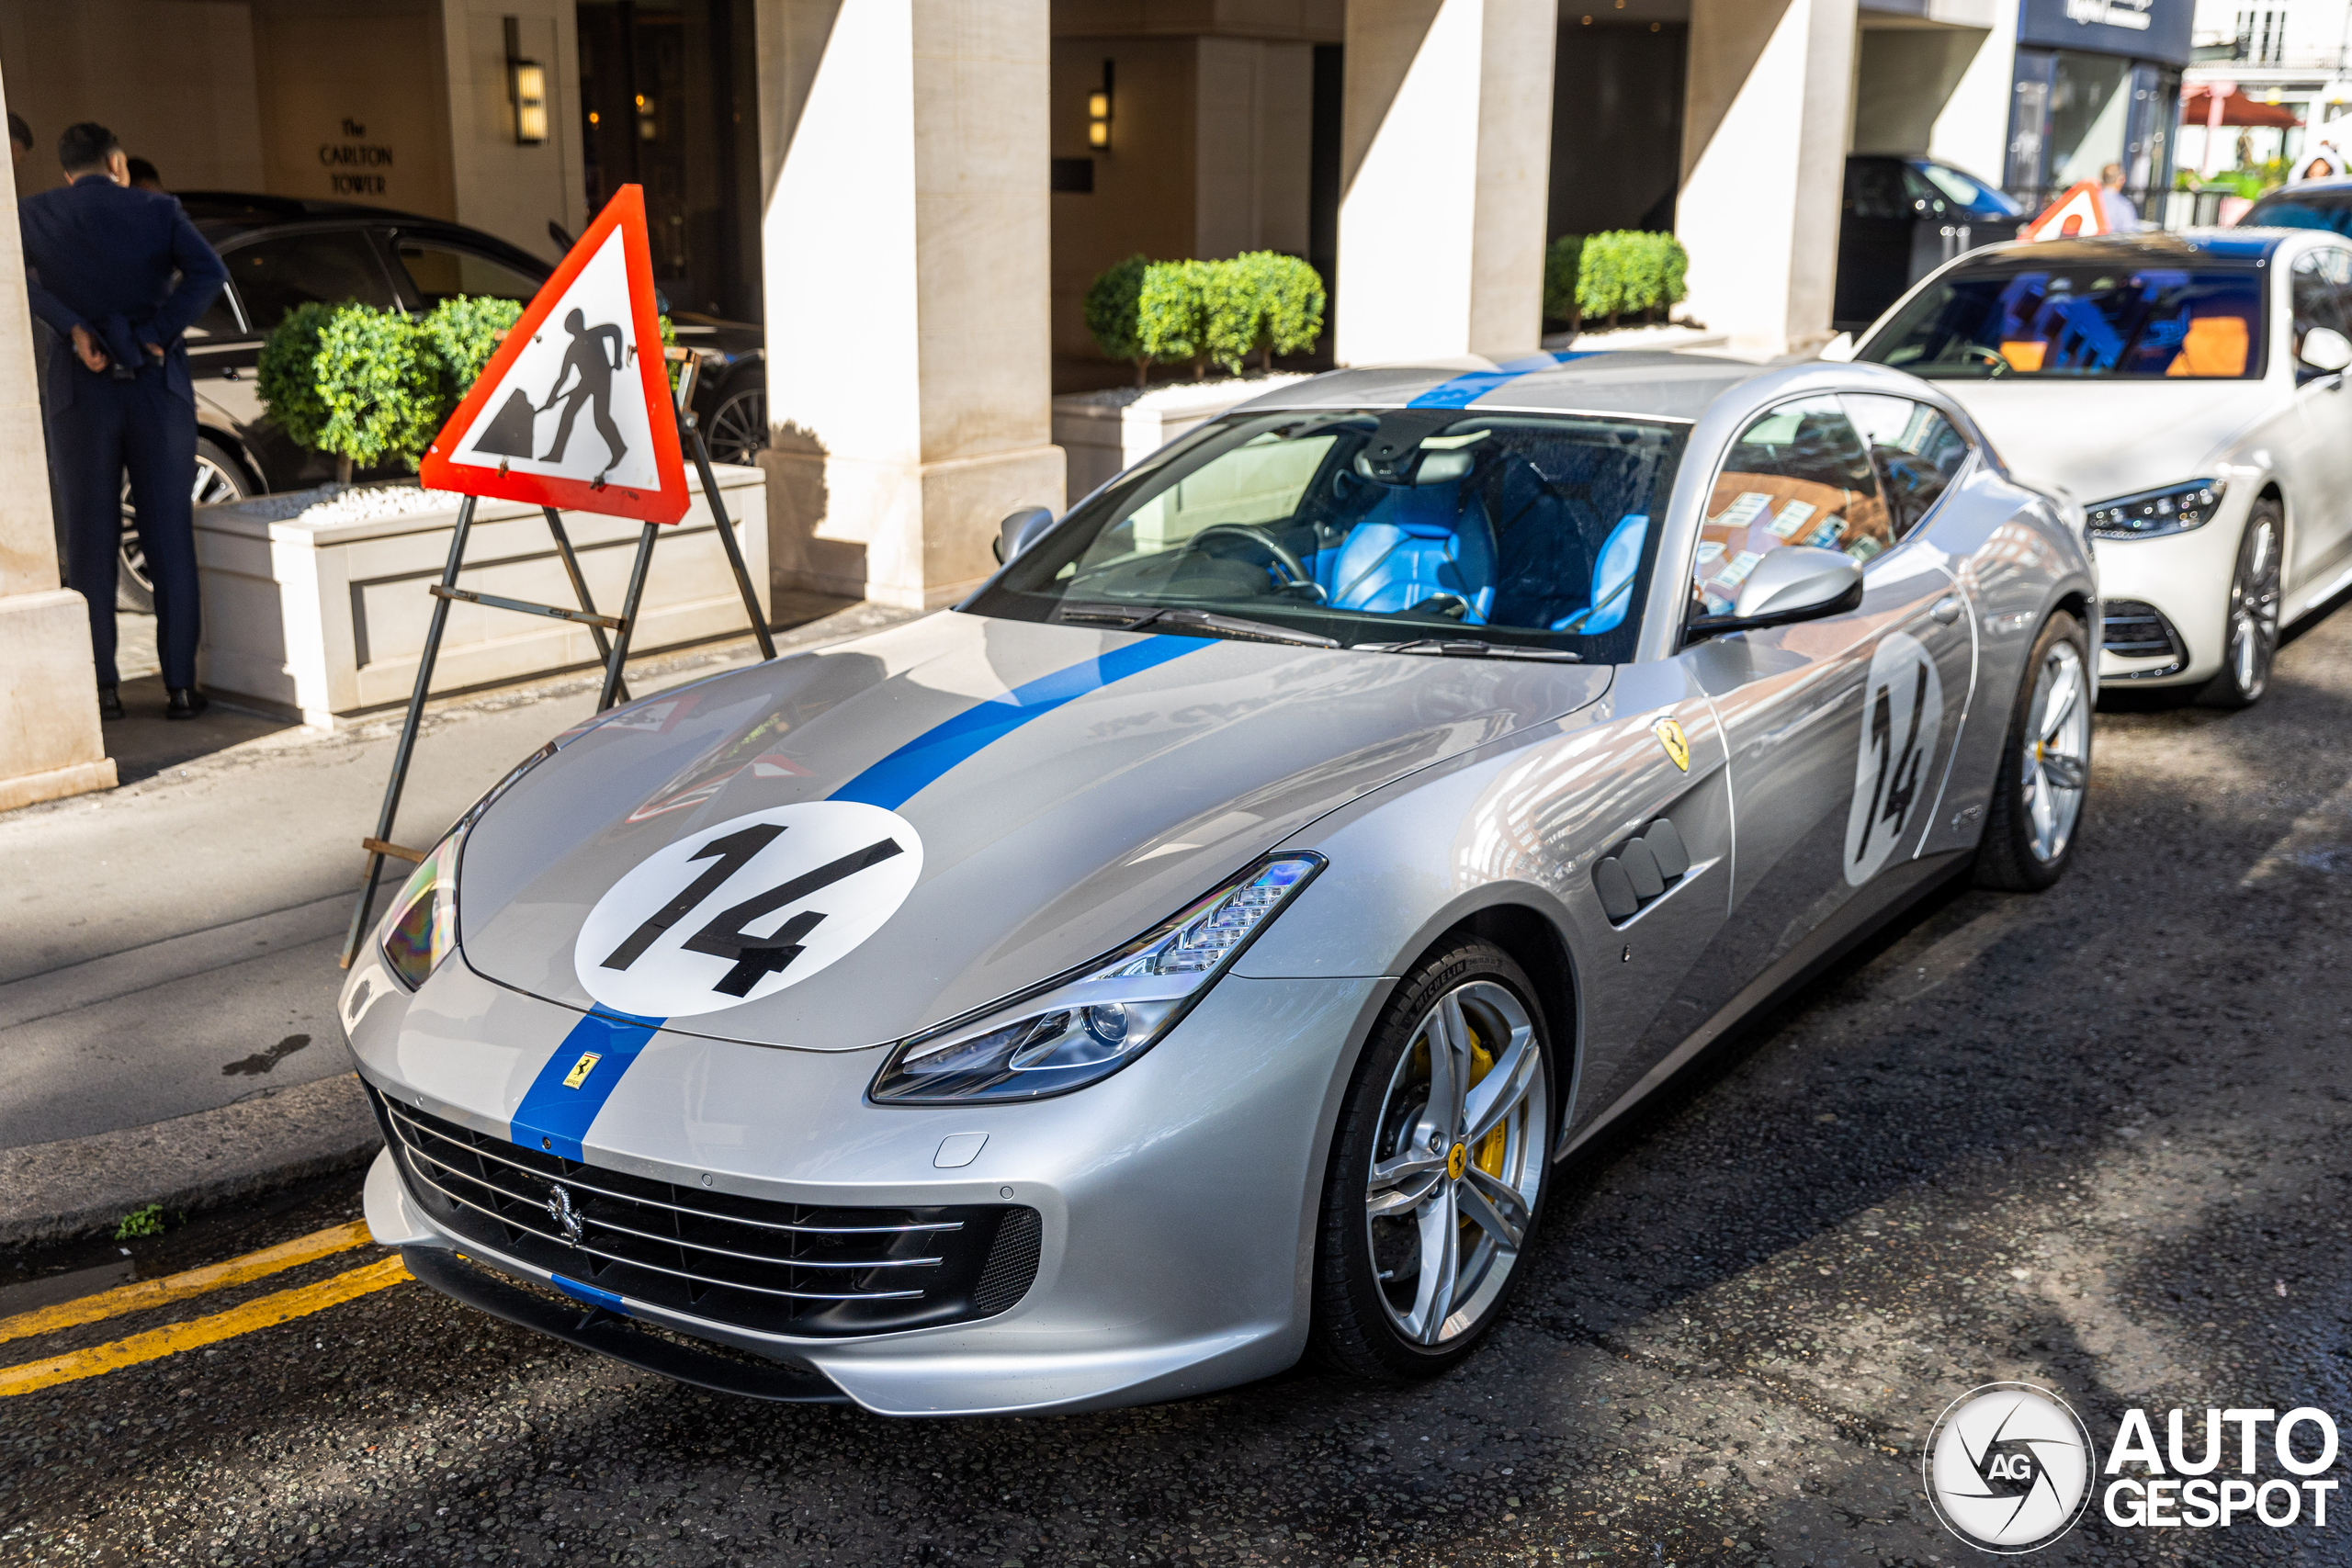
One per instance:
(1288,298)
(1113,302)
(465,331)
(1172,313)
(1629,270)
(286,375)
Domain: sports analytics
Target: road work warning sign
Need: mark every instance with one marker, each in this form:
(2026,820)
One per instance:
(573,411)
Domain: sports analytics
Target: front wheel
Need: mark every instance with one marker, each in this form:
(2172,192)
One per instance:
(1438,1169)
(2251,627)
(2046,767)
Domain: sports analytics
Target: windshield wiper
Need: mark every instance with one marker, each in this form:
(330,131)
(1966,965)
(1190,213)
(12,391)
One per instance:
(1471,647)
(1233,627)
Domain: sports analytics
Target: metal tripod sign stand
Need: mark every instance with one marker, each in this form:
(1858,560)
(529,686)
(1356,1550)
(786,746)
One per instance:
(574,350)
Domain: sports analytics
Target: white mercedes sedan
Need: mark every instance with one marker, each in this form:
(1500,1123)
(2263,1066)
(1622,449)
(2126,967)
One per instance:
(2189,391)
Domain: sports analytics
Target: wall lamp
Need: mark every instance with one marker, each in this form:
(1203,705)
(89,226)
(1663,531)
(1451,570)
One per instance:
(527,89)
(1097,114)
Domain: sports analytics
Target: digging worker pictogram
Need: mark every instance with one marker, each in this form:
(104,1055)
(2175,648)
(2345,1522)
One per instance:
(595,353)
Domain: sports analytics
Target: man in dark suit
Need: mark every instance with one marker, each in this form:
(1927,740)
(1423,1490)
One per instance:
(118,274)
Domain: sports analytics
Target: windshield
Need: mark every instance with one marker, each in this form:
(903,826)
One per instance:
(1966,191)
(1435,529)
(2331,212)
(2081,321)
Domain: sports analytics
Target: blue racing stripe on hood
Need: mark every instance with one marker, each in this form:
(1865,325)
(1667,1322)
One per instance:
(905,771)
(555,1114)
(1465,390)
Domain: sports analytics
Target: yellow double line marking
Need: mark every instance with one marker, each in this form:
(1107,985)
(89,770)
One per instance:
(262,1312)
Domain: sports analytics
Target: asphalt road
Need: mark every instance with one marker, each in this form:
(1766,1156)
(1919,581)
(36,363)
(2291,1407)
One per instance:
(2094,1140)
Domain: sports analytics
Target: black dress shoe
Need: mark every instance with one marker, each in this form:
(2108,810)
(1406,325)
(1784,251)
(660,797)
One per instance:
(109,701)
(187,703)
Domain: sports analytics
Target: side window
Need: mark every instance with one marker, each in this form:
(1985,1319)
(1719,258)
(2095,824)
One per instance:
(437,272)
(2320,283)
(1916,451)
(1799,474)
(273,276)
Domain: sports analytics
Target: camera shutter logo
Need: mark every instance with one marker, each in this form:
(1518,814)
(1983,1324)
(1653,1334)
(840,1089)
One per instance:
(2008,1467)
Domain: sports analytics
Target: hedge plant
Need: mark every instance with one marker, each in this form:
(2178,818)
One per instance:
(1627,270)
(1560,263)
(1262,302)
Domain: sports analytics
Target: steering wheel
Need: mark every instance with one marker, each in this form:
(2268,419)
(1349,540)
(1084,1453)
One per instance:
(1996,364)
(1288,566)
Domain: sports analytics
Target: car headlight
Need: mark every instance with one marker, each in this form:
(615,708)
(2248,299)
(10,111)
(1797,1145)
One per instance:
(2151,514)
(1083,1026)
(421,929)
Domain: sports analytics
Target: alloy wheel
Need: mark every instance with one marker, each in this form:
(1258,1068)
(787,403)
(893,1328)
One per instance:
(1457,1164)
(2057,759)
(2253,608)
(739,427)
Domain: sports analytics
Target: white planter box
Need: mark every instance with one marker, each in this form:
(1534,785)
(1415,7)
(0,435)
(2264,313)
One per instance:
(316,610)
(1102,435)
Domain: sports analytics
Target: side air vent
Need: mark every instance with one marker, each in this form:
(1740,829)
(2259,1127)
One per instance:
(1642,869)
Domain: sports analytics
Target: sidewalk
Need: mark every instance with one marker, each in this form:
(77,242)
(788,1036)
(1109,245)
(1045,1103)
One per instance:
(167,948)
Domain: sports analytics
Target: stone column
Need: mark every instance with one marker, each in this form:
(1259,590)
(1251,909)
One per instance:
(1444,172)
(907,258)
(1764,126)
(49,745)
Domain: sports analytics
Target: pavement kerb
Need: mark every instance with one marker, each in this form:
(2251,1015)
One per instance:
(81,1187)
(78,1188)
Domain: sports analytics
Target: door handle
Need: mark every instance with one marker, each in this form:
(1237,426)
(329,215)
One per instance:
(1947,609)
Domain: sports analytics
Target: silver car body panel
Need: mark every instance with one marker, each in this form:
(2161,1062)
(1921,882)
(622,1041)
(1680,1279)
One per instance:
(1179,1196)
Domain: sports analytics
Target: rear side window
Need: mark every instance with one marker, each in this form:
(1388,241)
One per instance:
(2333,213)
(2319,286)
(439,272)
(2079,320)
(1914,449)
(1799,474)
(273,276)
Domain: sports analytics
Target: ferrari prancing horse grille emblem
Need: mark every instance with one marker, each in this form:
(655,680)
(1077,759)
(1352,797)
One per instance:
(560,1211)
(581,1068)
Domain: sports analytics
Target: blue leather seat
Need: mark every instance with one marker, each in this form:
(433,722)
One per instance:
(1416,542)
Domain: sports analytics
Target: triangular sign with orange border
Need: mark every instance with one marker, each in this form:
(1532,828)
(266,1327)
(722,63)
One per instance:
(2077,215)
(573,411)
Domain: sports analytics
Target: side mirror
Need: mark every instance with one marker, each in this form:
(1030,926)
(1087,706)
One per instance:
(1796,583)
(1020,530)
(2327,349)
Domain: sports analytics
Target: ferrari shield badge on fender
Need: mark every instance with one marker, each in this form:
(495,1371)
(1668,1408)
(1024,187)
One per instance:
(1676,744)
(740,910)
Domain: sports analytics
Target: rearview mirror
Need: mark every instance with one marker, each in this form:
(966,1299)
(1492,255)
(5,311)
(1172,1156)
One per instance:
(1021,530)
(2327,349)
(1796,583)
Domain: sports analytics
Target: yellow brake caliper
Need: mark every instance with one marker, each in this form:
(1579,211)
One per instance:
(1490,1149)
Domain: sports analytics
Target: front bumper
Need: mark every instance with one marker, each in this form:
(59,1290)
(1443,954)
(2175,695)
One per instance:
(1175,1201)
(2185,579)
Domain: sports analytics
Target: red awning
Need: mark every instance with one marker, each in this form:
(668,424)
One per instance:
(2197,108)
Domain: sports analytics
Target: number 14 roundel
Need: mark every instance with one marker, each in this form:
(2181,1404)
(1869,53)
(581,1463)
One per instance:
(738,910)
(573,410)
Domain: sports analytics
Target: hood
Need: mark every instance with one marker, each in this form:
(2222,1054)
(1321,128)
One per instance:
(1064,789)
(2097,440)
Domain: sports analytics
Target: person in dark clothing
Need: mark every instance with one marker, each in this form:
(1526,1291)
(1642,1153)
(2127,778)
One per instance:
(145,175)
(101,260)
(595,354)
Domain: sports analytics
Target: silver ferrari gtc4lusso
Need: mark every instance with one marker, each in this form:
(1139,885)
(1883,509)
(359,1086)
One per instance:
(1198,947)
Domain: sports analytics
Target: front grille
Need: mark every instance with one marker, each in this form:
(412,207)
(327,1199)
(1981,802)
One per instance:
(2131,629)
(752,1263)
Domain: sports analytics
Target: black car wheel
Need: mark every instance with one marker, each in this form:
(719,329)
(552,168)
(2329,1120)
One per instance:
(2252,628)
(218,477)
(1438,1168)
(736,431)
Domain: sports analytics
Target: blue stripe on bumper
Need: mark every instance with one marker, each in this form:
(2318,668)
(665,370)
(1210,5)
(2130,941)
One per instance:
(556,1118)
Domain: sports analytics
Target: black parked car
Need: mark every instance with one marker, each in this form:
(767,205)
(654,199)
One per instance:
(282,252)
(1904,218)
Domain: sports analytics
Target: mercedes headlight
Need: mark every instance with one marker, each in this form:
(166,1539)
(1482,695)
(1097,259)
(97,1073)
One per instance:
(1084,1026)
(2152,514)
(422,928)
